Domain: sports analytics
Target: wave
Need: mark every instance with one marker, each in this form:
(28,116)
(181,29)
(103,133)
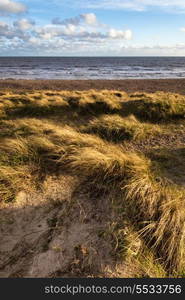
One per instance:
(92,68)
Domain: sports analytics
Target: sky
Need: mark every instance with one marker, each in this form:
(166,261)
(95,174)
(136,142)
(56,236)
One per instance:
(92,28)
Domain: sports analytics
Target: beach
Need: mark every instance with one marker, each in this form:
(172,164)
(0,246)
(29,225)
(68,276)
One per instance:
(127,85)
(92,146)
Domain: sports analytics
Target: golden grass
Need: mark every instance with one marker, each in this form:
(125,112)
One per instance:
(156,206)
(36,139)
(159,208)
(157,107)
(115,128)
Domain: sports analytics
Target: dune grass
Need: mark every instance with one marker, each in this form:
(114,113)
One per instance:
(116,129)
(83,133)
(157,206)
(157,107)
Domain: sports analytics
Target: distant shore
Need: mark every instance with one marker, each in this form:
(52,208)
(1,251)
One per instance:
(127,85)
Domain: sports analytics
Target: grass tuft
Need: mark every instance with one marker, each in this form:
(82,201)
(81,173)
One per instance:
(116,129)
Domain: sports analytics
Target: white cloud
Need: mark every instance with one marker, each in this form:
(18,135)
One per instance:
(34,41)
(71,31)
(79,43)
(24,24)
(89,19)
(74,21)
(3,26)
(153,50)
(81,33)
(119,34)
(11,7)
(81,27)
(10,32)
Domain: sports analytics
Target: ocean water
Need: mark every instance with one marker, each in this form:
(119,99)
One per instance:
(91,67)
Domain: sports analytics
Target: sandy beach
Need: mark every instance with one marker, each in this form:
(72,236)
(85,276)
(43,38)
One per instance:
(128,85)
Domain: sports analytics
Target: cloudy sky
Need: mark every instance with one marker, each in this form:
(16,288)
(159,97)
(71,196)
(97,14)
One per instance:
(92,27)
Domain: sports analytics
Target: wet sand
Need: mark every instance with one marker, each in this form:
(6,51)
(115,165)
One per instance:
(127,85)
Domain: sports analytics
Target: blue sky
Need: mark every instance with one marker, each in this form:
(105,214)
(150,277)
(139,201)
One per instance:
(92,27)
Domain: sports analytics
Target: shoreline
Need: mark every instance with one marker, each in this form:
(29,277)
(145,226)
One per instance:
(127,85)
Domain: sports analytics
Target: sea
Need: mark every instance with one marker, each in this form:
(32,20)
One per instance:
(92,67)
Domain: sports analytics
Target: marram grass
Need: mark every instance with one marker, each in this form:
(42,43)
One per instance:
(103,138)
